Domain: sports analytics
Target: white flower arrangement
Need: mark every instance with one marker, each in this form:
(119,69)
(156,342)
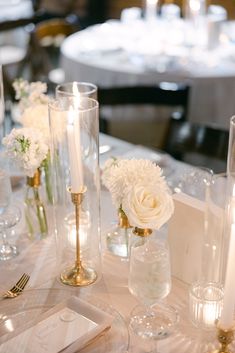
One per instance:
(28,147)
(30,94)
(138,187)
(33,105)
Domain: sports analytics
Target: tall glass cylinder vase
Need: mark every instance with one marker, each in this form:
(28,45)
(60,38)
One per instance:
(84,89)
(76,188)
(2,106)
(231,148)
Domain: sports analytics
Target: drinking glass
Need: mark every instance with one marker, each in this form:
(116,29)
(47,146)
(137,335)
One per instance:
(150,282)
(193,182)
(5,191)
(9,216)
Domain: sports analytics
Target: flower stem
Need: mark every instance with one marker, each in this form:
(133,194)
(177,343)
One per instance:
(41,214)
(46,167)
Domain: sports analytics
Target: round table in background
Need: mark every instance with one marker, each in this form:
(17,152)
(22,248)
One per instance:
(115,54)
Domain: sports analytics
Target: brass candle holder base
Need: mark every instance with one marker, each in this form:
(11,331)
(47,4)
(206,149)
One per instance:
(78,276)
(225,337)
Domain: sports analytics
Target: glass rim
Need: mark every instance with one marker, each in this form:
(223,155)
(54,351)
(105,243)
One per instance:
(54,104)
(232,119)
(200,284)
(81,83)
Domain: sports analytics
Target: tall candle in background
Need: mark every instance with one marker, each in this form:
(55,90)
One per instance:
(195,9)
(227,317)
(75,155)
(151,9)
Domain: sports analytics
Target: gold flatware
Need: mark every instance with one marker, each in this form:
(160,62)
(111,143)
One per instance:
(17,288)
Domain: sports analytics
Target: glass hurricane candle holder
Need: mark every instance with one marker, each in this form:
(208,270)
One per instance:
(205,304)
(74,153)
(2,107)
(231,147)
(84,89)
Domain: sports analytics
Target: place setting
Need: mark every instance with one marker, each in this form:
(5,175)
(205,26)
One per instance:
(151,282)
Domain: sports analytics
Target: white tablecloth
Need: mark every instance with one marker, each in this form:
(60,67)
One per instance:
(38,258)
(115,54)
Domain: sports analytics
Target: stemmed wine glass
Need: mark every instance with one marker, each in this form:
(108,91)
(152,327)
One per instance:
(9,217)
(150,282)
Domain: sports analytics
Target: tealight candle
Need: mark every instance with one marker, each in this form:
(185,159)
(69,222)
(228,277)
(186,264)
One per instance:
(72,236)
(205,303)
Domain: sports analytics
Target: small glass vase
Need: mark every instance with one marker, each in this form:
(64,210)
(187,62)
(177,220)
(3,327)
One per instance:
(118,238)
(35,214)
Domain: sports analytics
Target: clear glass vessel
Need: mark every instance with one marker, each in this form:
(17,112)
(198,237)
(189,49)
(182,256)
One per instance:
(34,209)
(85,89)
(74,124)
(150,282)
(9,217)
(118,238)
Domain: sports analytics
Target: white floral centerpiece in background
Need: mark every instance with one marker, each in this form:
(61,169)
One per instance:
(33,113)
(29,148)
(140,191)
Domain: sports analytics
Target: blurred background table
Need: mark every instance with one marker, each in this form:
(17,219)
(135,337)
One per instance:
(116,53)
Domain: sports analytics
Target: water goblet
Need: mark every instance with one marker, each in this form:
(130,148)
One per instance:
(150,282)
(5,191)
(9,218)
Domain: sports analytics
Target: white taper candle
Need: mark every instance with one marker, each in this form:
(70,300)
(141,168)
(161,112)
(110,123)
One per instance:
(75,155)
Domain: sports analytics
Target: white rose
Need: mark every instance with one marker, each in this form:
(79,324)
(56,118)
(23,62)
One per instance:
(147,206)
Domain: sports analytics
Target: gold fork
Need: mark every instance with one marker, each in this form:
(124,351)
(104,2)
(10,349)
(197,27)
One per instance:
(17,288)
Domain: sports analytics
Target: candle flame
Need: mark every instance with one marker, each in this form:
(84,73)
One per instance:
(152,2)
(194,5)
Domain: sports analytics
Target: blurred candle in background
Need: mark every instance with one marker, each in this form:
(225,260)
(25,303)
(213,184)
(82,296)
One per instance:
(195,9)
(151,9)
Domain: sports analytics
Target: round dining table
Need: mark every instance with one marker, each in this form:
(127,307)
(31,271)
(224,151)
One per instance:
(45,294)
(118,53)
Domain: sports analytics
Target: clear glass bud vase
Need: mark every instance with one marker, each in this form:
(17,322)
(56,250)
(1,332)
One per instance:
(35,213)
(139,236)
(118,238)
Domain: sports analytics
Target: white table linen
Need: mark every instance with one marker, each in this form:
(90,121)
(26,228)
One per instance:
(38,258)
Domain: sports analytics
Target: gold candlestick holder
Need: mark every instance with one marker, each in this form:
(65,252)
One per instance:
(78,274)
(225,337)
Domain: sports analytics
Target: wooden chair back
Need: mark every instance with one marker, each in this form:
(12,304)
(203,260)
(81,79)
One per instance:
(184,138)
